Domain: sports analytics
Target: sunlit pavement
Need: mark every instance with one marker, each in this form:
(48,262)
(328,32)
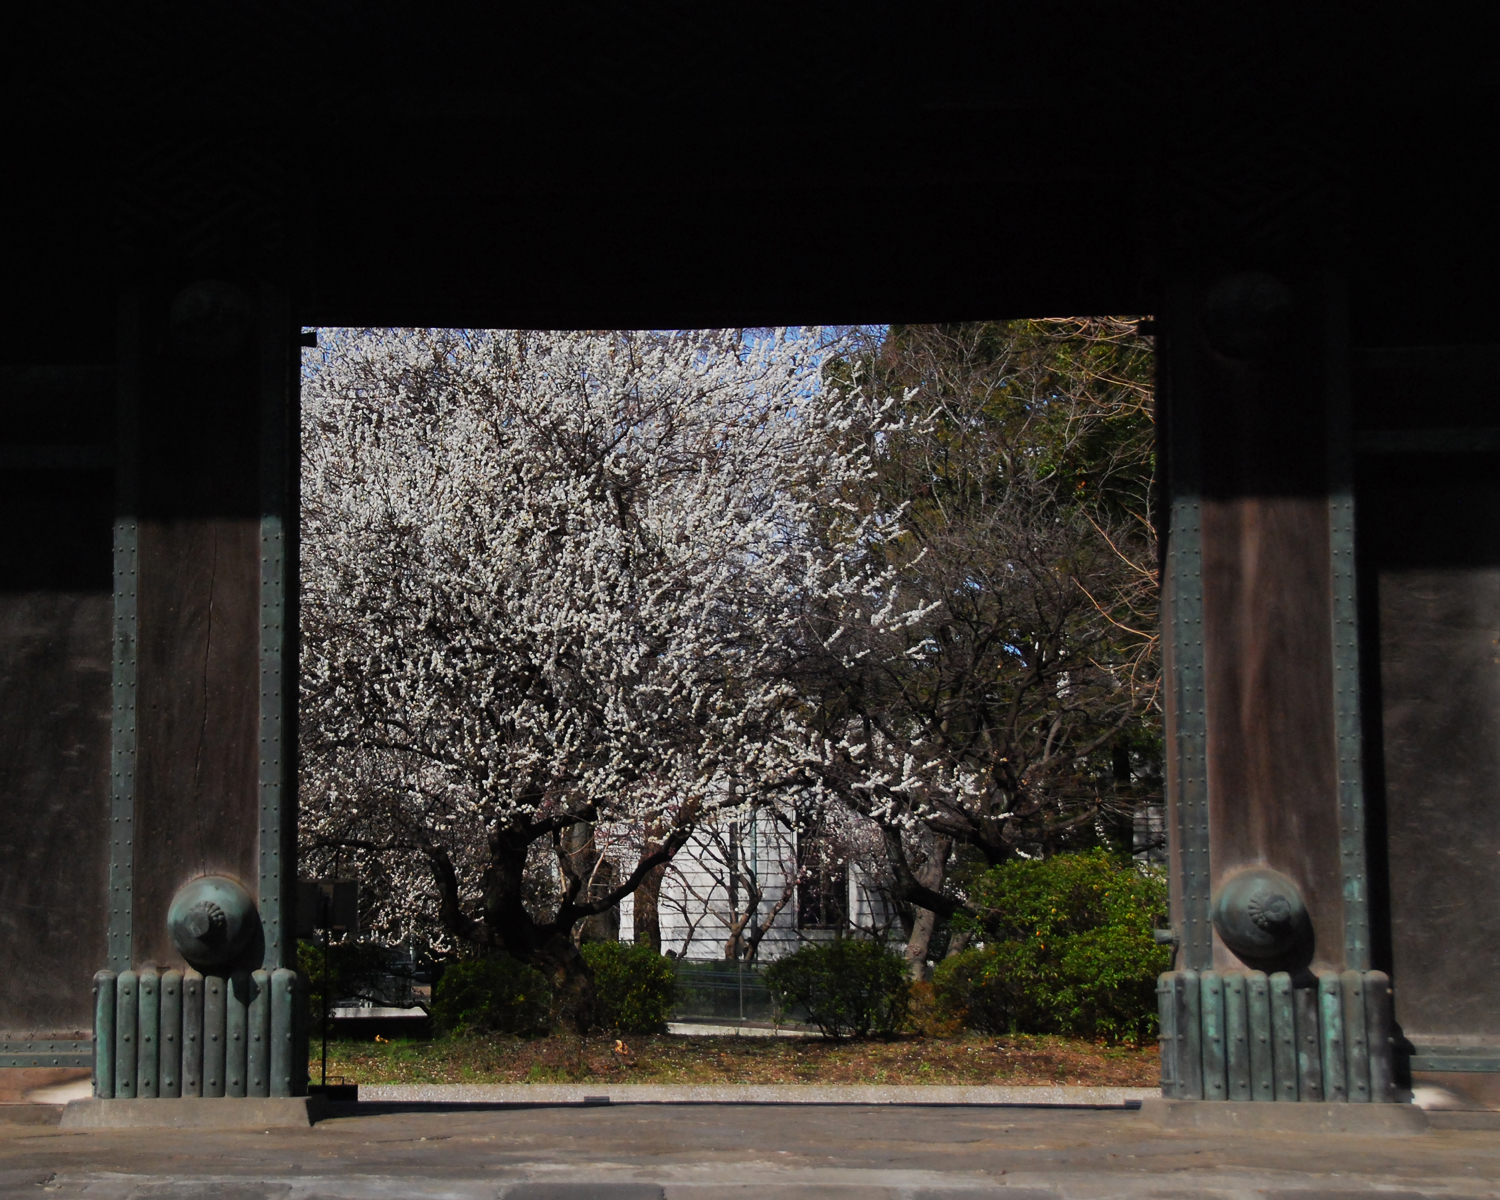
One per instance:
(712,1151)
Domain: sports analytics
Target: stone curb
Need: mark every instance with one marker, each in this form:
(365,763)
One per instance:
(637,1093)
(195,1113)
(1227,1116)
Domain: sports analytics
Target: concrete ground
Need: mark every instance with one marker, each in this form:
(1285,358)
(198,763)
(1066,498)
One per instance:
(744,1152)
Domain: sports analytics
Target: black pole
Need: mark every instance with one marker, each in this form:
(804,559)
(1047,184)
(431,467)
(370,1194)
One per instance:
(325,1012)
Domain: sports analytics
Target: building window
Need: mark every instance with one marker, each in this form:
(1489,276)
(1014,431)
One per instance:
(822,885)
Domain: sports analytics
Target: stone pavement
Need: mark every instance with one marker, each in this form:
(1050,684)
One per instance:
(745,1152)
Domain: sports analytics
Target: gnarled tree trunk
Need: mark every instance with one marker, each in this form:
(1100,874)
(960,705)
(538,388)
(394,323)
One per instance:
(648,910)
(930,874)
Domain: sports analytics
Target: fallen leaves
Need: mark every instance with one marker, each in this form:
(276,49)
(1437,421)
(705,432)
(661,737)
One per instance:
(669,1058)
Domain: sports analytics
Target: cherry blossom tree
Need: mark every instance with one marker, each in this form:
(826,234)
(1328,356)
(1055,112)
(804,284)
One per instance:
(554,590)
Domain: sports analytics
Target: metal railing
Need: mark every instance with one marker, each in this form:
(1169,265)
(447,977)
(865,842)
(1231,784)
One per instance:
(724,992)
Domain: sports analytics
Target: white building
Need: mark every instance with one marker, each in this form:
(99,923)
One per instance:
(753,879)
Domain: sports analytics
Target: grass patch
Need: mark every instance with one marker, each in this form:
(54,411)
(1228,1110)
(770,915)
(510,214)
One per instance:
(673,1058)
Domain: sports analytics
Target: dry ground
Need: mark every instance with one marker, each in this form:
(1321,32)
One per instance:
(670,1058)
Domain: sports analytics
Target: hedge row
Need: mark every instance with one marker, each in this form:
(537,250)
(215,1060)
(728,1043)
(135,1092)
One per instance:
(1067,947)
(634,989)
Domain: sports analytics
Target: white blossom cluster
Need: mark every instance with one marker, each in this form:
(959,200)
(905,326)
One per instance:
(552,579)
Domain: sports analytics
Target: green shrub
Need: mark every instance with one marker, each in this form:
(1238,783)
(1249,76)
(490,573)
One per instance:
(848,987)
(492,995)
(634,986)
(970,987)
(1068,949)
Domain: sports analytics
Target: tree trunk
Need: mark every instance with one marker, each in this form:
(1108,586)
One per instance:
(917,944)
(604,926)
(547,947)
(648,910)
(560,960)
(930,874)
(579,857)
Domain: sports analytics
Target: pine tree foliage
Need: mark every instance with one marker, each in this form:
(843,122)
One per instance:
(1002,694)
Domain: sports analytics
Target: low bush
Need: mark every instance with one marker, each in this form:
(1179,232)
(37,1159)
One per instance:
(928,1017)
(492,995)
(848,987)
(971,988)
(634,986)
(354,970)
(1068,949)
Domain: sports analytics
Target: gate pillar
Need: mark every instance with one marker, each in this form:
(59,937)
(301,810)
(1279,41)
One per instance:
(1273,998)
(202,881)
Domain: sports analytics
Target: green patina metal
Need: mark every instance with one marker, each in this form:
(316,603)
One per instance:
(1458,1062)
(1346,712)
(280,425)
(169,1043)
(258,1036)
(1345,644)
(212,920)
(1356,1038)
(1283,1036)
(1261,1038)
(1331,1036)
(1189,1037)
(285,996)
(127,1018)
(236,1033)
(148,1030)
(45,1053)
(1260,915)
(1247,1036)
(215,995)
(104,1034)
(1184,626)
(1185,565)
(1379,1017)
(1236,1039)
(273,638)
(1211,1009)
(1166,1032)
(192,1033)
(179,1033)
(123,747)
(1309,1044)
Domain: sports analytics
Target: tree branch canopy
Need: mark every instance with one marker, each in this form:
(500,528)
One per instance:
(553,579)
